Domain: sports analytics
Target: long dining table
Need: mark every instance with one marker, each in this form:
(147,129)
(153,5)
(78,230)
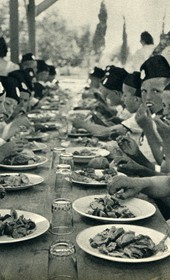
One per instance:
(28,260)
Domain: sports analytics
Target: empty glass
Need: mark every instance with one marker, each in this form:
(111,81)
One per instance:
(67,158)
(63,182)
(55,156)
(62,262)
(63,130)
(62,216)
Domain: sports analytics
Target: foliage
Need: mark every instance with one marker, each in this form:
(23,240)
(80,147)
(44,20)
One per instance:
(124,48)
(55,40)
(58,43)
(99,35)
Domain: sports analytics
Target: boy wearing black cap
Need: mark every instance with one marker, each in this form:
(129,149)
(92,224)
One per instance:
(87,100)
(29,61)
(110,95)
(155,75)
(132,101)
(12,94)
(42,77)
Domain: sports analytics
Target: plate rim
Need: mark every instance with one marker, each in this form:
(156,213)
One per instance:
(25,186)
(94,183)
(120,220)
(79,157)
(39,148)
(30,236)
(25,167)
(29,137)
(90,251)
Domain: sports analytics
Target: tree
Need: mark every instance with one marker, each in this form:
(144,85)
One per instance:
(99,35)
(57,42)
(124,48)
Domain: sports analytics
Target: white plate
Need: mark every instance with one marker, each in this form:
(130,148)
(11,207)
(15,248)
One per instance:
(84,236)
(85,159)
(94,182)
(33,180)
(42,161)
(42,225)
(140,208)
(37,136)
(37,146)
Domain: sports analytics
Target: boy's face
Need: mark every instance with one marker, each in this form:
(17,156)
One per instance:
(10,104)
(152,90)
(43,76)
(94,82)
(166,104)
(24,100)
(131,101)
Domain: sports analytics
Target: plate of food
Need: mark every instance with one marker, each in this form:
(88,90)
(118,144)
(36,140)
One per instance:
(108,208)
(124,243)
(80,132)
(85,154)
(44,117)
(19,181)
(95,177)
(23,161)
(18,225)
(36,136)
(36,146)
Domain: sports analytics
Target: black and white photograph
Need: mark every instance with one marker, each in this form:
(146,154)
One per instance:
(85,139)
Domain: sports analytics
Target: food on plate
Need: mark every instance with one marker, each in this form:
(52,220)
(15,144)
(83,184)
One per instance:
(88,142)
(14,180)
(117,242)
(14,226)
(99,163)
(109,207)
(84,152)
(32,145)
(89,175)
(79,130)
(22,158)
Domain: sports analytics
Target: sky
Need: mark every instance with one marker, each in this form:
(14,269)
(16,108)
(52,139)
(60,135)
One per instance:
(140,15)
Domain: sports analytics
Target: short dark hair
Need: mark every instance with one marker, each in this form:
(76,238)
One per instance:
(147,38)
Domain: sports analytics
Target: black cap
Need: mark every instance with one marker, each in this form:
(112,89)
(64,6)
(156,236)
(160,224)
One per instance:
(51,70)
(97,72)
(22,80)
(11,87)
(109,68)
(114,78)
(24,88)
(155,67)
(27,57)
(42,66)
(133,80)
(2,90)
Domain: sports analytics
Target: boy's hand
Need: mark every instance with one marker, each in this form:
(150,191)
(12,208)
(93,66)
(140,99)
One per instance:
(143,117)
(127,145)
(124,187)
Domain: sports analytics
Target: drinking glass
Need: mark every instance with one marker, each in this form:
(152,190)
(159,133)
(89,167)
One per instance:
(62,216)
(55,156)
(62,262)
(63,130)
(63,182)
